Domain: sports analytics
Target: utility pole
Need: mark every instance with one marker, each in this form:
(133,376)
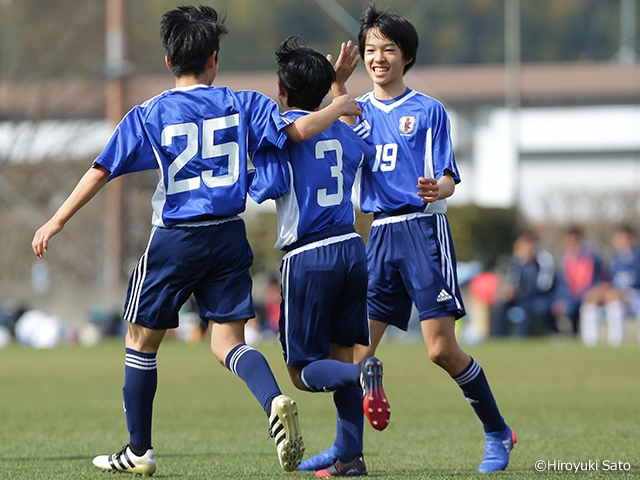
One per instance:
(117,69)
(627,55)
(513,87)
(512,52)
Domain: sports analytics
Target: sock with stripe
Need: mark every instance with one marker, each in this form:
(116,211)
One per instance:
(476,390)
(348,403)
(250,365)
(329,375)
(140,384)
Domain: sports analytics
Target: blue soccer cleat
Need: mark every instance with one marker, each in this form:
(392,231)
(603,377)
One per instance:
(320,461)
(497,450)
(354,468)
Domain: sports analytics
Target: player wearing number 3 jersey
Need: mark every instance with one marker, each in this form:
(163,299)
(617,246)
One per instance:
(197,138)
(324,272)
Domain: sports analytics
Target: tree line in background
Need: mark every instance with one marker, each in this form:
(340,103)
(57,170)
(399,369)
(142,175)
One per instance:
(66,38)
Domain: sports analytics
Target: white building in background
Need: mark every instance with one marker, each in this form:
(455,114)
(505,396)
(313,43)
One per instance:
(570,152)
(557,155)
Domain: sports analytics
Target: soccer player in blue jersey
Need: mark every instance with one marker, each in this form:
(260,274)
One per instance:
(197,138)
(618,297)
(324,270)
(410,252)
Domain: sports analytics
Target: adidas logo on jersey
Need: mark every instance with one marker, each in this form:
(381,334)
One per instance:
(443,296)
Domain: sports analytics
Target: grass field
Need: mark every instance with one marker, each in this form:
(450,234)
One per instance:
(60,407)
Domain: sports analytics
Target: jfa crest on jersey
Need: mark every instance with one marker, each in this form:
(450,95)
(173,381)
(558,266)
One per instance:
(407,124)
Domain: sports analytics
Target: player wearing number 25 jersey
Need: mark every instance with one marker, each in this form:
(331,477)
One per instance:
(196,137)
(324,272)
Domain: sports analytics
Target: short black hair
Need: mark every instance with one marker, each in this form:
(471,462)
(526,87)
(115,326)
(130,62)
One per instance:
(306,75)
(394,27)
(575,230)
(625,228)
(189,36)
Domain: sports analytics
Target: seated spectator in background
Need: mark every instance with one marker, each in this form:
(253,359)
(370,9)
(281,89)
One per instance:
(620,296)
(580,269)
(526,303)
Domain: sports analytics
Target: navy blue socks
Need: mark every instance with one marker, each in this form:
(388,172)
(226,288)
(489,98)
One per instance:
(250,365)
(476,389)
(349,440)
(329,375)
(140,384)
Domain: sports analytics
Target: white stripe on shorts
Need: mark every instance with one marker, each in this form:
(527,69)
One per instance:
(137,280)
(446,262)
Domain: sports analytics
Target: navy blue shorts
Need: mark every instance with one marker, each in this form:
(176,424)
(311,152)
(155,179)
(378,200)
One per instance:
(411,260)
(324,298)
(210,261)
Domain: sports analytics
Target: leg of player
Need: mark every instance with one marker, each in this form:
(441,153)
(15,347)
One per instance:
(328,457)
(140,383)
(444,351)
(227,344)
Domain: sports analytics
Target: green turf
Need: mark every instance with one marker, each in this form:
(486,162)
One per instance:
(60,407)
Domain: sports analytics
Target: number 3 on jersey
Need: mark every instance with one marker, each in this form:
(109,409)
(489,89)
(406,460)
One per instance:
(209,150)
(328,199)
(386,156)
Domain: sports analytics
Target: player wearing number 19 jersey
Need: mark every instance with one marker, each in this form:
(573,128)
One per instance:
(324,272)
(410,253)
(196,137)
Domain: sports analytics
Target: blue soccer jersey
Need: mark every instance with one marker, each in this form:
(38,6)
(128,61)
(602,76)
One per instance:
(312,181)
(198,139)
(625,269)
(412,138)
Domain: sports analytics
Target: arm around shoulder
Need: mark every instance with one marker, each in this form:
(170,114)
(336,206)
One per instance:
(311,125)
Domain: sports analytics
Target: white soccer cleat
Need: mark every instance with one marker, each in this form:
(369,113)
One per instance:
(127,462)
(284,429)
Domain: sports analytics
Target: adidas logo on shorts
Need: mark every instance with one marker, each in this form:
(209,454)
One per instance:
(443,296)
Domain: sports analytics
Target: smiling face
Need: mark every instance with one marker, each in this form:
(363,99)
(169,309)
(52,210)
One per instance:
(385,64)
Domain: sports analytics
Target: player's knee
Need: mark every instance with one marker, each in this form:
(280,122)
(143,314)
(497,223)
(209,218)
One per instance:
(294,373)
(438,355)
(443,356)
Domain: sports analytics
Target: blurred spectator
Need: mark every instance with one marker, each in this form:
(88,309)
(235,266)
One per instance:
(272,301)
(264,327)
(525,307)
(620,296)
(580,269)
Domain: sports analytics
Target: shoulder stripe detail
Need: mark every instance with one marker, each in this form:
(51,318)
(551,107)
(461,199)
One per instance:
(363,129)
